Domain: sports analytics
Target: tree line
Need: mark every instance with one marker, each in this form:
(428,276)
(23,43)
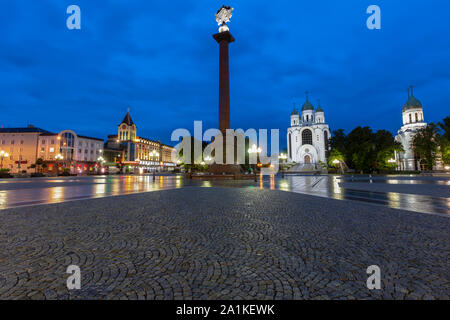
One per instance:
(367,151)
(433,142)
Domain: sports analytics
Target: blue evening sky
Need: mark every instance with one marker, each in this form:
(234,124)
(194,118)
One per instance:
(159,58)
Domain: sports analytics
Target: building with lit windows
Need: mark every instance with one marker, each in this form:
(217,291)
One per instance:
(308,138)
(20,146)
(59,151)
(70,152)
(139,154)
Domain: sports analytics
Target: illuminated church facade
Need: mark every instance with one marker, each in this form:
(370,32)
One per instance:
(308,137)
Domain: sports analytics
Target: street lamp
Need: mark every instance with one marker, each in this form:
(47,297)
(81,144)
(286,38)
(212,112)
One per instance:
(282,157)
(101,160)
(3,154)
(57,158)
(208,159)
(256,150)
(391,160)
(338,162)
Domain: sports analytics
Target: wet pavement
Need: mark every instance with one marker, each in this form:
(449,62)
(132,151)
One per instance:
(222,243)
(24,192)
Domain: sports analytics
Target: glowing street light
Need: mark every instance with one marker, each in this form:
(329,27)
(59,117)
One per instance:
(282,156)
(208,159)
(336,161)
(254,149)
(391,160)
(3,154)
(59,157)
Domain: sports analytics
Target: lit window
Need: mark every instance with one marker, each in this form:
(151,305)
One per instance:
(52,149)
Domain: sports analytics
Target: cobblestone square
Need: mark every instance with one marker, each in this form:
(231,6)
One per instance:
(222,243)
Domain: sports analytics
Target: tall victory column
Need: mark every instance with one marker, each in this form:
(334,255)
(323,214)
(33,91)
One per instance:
(223,38)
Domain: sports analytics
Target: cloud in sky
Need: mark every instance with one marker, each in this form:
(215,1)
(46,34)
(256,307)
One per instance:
(160,59)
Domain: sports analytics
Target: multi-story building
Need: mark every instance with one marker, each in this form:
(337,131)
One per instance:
(139,154)
(71,152)
(59,151)
(21,146)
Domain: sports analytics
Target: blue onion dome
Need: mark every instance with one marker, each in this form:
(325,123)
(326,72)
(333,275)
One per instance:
(307,105)
(319,107)
(413,102)
(294,110)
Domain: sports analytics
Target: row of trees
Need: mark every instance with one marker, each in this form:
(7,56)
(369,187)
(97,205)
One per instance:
(367,151)
(363,149)
(432,142)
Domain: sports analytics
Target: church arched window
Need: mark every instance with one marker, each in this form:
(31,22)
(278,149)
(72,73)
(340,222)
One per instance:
(410,118)
(306,137)
(290,146)
(326,141)
(417,117)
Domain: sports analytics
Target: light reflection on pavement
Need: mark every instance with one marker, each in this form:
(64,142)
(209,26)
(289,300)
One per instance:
(23,192)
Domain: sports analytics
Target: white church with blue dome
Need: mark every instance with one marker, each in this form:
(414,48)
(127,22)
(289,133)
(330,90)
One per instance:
(308,137)
(413,121)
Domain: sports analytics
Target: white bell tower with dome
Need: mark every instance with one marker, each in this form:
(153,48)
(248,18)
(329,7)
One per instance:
(413,120)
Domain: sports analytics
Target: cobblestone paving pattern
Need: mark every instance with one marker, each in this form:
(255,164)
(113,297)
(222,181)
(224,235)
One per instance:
(222,243)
